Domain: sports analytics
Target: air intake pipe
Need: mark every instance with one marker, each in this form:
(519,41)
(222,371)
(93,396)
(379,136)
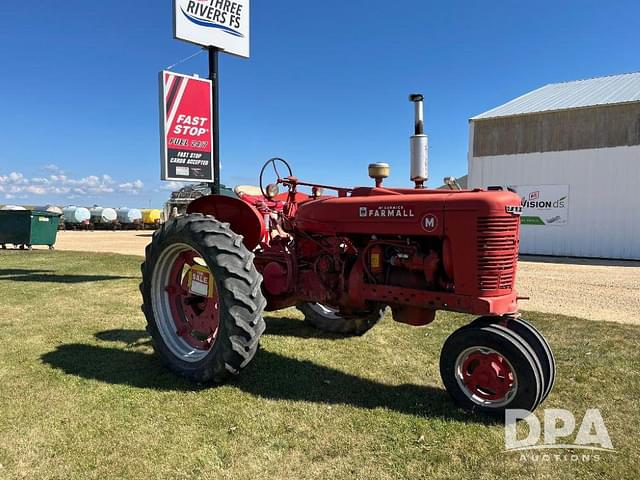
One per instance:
(419,145)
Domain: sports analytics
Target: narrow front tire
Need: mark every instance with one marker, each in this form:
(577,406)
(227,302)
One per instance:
(489,370)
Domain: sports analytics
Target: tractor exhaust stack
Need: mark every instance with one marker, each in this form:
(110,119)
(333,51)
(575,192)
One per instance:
(419,144)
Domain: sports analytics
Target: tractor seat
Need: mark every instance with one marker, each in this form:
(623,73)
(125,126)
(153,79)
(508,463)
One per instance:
(248,190)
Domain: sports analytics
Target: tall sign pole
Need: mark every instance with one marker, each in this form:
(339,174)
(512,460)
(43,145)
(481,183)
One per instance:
(214,76)
(218,26)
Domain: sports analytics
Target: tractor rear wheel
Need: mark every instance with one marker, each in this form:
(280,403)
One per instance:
(327,319)
(488,369)
(202,298)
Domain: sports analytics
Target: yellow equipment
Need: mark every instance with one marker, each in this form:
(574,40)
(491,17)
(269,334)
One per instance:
(151,216)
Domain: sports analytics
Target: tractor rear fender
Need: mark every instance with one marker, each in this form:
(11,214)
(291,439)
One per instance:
(244,219)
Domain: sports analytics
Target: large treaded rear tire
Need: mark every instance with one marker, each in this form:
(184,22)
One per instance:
(328,320)
(238,285)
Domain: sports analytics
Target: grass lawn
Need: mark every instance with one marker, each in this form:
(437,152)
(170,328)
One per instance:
(83,396)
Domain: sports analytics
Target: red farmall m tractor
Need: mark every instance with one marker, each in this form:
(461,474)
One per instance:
(343,259)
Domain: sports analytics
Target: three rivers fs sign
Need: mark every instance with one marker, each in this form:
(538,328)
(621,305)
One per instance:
(186,127)
(214,23)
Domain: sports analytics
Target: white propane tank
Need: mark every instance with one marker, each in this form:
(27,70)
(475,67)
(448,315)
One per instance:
(76,215)
(14,208)
(128,216)
(49,208)
(103,215)
(419,144)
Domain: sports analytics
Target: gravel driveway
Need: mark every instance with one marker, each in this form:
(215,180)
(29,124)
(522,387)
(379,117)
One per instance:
(591,289)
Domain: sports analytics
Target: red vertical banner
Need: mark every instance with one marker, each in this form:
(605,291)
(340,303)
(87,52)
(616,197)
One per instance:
(186,125)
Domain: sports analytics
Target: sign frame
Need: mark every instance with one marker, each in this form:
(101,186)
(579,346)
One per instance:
(165,126)
(202,22)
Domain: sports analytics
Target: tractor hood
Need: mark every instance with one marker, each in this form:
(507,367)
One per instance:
(383,211)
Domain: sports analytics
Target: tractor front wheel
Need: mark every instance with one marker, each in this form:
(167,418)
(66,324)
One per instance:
(489,369)
(533,338)
(202,298)
(327,319)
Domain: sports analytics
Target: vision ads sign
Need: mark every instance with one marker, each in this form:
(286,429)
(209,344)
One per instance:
(544,204)
(214,23)
(186,128)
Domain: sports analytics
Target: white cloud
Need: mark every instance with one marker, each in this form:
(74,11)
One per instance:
(35,190)
(172,186)
(132,188)
(53,169)
(16,178)
(58,183)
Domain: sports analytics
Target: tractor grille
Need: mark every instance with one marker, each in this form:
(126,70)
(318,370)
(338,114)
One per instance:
(497,252)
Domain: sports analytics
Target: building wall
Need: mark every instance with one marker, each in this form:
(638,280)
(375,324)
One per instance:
(578,129)
(604,198)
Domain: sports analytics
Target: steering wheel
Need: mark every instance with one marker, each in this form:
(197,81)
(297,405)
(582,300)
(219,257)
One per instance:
(273,162)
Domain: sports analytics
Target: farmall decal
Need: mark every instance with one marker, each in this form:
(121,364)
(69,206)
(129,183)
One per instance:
(187,139)
(387,211)
(214,23)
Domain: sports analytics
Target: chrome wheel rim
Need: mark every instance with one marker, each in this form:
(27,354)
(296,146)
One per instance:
(177,311)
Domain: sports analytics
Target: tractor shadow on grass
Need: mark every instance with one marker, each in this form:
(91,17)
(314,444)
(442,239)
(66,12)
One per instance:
(131,338)
(296,327)
(10,272)
(270,376)
(46,276)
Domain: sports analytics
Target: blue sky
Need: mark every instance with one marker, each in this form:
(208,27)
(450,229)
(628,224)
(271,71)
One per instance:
(326,86)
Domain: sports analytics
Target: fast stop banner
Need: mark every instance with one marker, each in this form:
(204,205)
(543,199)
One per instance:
(186,128)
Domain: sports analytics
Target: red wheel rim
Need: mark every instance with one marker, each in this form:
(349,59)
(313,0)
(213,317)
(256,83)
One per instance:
(486,375)
(196,317)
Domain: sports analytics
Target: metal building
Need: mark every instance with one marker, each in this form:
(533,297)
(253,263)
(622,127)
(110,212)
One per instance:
(572,151)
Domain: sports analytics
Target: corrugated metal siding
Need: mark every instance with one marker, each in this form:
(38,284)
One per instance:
(581,93)
(604,198)
(596,127)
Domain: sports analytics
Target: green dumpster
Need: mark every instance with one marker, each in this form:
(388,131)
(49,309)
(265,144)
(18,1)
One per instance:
(25,228)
